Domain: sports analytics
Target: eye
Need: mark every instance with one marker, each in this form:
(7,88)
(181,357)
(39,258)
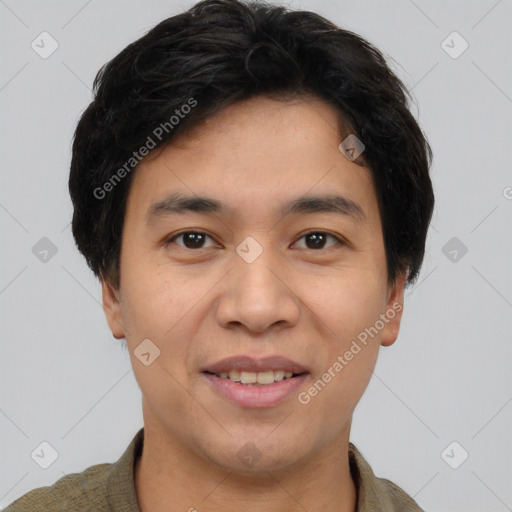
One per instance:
(316,240)
(191,239)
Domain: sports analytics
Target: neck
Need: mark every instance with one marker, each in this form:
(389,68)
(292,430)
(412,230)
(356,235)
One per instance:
(169,477)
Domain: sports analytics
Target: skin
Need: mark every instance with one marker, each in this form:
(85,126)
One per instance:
(200,305)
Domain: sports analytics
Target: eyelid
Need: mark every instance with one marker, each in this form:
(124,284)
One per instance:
(170,239)
(339,239)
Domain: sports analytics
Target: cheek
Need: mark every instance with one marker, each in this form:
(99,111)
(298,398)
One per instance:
(155,299)
(158,308)
(163,306)
(345,308)
(349,354)
(348,305)
(354,305)
(334,392)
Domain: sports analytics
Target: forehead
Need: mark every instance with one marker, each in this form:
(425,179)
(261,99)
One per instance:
(254,156)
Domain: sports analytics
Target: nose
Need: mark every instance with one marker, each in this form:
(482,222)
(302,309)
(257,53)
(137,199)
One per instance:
(258,295)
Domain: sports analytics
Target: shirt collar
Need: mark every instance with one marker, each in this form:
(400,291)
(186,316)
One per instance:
(364,480)
(376,494)
(122,494)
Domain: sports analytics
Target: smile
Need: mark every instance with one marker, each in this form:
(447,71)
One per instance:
(256,390)
(259,378)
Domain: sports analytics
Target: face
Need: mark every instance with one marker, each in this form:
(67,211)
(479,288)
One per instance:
(281,269)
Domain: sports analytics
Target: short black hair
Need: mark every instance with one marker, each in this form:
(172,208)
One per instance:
(220,52)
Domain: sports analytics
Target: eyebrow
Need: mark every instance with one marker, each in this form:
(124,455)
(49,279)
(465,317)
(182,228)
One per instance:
(178,203)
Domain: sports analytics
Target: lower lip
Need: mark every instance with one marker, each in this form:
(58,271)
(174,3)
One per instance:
(251,396)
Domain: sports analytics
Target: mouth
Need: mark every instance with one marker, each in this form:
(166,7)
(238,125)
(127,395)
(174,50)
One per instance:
(255,383)
(264,378)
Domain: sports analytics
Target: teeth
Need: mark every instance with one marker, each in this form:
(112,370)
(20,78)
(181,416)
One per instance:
(248,377)
(234,375)
(266,377)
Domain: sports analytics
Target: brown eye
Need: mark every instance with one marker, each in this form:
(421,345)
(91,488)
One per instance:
(191,239)
(317,239)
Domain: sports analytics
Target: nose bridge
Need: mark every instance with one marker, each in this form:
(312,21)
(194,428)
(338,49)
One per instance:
(257,294)
(258,278)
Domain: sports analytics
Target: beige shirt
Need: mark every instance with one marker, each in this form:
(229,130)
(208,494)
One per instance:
(111,488)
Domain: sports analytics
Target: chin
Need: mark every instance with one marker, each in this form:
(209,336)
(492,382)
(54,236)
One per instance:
(246,456)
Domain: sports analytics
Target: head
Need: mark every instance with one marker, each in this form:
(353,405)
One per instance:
(213,202)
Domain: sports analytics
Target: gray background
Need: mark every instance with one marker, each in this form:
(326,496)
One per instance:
(66,381)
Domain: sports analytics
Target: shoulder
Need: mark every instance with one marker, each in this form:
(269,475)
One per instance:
(77,491)
(395,497)
(377,493)
(99,488)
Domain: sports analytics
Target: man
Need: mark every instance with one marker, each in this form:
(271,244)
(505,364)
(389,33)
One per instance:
(254,195)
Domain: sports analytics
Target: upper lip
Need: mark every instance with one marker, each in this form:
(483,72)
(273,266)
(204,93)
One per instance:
(252,364)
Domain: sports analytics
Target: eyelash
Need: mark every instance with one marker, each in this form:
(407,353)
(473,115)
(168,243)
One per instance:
(340,241)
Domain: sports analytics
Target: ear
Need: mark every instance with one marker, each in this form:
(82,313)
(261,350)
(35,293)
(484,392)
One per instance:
(112,309)
(393,313)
